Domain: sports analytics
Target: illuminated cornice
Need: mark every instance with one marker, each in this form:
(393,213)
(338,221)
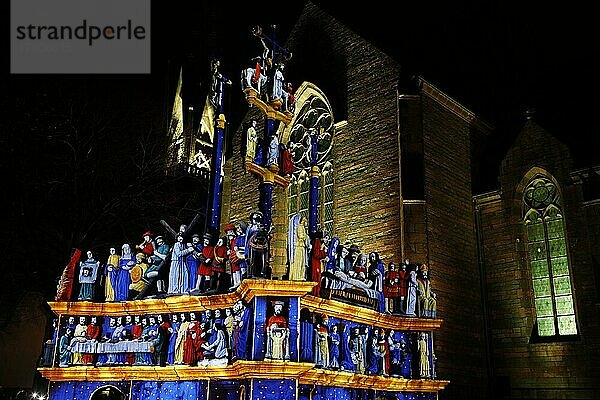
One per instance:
(366,316)
(304,372)
(185,303)
(270,110)
(266,175)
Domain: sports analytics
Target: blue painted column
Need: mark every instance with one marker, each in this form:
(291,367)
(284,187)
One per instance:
(272,389)
(313,195)
(216,179)
(259,337)
(266,187)
(217,174)
(294,325)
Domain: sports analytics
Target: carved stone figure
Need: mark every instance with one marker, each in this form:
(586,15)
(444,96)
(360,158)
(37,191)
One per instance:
(423,349)
(411,294)
(286,159)
(278,334)
(278,78)
(190,354)
(110,273)
(205,258)
(64,348)
(241,330)
(160,254)
(372,365)
(178,274)
(334,348)
(175,324)
(79,336)
(357,350)
(427,298)
(318,253)
(384,353)
(289,101)
(376,274)
(216,352)
(161,342)
(297,248)
(273,153)
(251,141)
(229,323)
(192,260)
(391,289)
(233,260)
(256,246)
(123,280)
(137,273)
(218,264)
(92,335)
(88,273)
(181,339)
(147,246)
(321,345)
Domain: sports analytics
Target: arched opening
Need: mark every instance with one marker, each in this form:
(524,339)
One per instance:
(107,393)
(544,224)
(314,117)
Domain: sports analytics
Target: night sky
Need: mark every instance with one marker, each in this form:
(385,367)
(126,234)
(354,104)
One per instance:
(496,58)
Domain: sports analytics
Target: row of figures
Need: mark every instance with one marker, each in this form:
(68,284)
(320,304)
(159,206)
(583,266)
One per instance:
(216,338)
(210,338)
(371,350)
(279,157)
(343,272)
(265,75)
(123,273)
(207,264)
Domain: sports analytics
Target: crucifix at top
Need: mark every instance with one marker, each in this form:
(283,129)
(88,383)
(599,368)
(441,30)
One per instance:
(265,87)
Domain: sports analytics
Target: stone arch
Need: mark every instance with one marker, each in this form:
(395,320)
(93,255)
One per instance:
(547,255)
(108,392)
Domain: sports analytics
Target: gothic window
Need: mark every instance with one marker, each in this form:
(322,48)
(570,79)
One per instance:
(313,121)
(548,255)
(304,186)
(328,196)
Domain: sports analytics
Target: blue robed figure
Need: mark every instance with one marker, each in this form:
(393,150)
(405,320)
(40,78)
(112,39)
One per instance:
(372,367)
(241,331)
(122,280)
(192,261)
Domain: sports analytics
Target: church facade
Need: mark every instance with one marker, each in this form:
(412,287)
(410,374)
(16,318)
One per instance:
(507,280)
(514,278)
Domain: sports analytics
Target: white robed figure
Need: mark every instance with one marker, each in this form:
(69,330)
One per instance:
(178,274)
(298,246)
(273,151)
(278,83)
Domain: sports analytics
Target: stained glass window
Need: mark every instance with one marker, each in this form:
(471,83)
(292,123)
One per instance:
(304,187)
(327,211)
(313,120)
(547,247)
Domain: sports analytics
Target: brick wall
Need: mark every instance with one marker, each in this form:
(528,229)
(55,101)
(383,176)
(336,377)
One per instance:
(367,185)
(452,249)
(365,153)
(538,370)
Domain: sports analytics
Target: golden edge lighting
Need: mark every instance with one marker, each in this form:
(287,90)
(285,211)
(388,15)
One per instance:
(184,303)
(249,289)
(304,372)
(366,316)
(264,173)
(269,110)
